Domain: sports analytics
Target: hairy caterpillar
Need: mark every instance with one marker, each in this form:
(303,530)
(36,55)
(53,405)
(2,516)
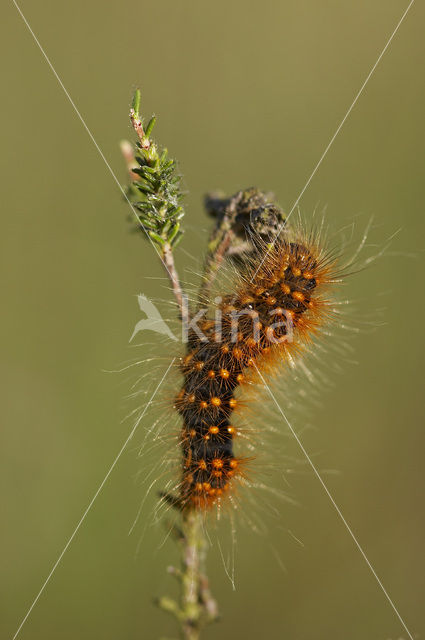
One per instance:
(275,309)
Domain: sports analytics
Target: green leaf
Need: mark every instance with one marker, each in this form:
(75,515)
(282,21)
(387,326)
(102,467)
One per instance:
(177,239)
(136,102)
(150,126)
(174,231)
(156,238)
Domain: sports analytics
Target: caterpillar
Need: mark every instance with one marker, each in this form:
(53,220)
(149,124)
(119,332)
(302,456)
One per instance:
(274,311)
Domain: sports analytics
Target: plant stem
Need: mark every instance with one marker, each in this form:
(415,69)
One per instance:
(170,267)
(194,550)
(197,607)
(219,242)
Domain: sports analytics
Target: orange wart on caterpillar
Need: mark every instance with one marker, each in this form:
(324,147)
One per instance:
(279,298)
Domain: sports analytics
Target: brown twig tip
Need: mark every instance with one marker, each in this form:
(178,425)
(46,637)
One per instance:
(130,160)
(138,127)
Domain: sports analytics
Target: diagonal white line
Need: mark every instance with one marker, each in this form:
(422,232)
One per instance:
(337,509)
(132,432)
(358,94)
(92,138)
(341,124)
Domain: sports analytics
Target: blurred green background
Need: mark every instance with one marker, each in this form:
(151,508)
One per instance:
(246,94)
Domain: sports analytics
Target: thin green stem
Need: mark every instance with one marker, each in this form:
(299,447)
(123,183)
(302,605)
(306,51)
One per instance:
(196,607)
